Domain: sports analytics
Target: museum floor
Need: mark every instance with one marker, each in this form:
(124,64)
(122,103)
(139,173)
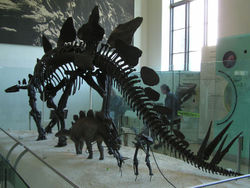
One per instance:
(94,173)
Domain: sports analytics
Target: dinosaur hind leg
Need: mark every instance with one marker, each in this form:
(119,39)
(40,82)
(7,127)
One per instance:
(62,141)
(100,148)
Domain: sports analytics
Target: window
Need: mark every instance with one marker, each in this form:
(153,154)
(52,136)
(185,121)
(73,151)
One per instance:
(193,24)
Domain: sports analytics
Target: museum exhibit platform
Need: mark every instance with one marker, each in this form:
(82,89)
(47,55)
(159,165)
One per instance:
(40,164)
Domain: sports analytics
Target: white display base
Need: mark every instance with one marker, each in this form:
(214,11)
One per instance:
(98,174)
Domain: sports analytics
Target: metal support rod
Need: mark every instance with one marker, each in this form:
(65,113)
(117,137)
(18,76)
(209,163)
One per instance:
(5,178)
(205,22)
(43,109)
(187,36)
(90,99)
(240,147)
(222,181)
(29,121)
(249,158)
(171,28)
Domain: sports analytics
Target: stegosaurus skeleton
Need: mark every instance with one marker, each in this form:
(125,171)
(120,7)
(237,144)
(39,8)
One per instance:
(113,63)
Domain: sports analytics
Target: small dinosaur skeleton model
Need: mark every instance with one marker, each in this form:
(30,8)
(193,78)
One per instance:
(112,63)
(89,129)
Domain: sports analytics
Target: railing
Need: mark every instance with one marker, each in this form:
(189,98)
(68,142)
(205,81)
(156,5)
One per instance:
(222,181)
(26,149)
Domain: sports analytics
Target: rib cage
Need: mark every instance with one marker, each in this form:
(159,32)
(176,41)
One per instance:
(52,68)
(108,60)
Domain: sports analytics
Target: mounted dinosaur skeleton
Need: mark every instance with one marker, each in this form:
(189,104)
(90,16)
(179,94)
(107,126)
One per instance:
(77,59)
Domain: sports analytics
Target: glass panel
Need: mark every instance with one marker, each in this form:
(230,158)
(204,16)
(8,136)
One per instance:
(222,98)
(178,61)
(196,38)
(189,105)
(197,13)
(179,41)
(195,61)
(8,176)
(179,17)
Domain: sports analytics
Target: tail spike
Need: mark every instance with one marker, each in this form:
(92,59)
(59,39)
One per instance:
(216,158)
(210,148)
(200,153)
(224,151)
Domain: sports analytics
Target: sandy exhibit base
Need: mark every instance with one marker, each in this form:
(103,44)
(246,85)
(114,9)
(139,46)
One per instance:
(87,173)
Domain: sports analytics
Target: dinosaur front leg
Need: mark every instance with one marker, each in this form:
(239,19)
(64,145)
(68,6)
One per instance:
(77,143)
(37,118)
(81,146)
(89,148)
(78,146)
(148,161)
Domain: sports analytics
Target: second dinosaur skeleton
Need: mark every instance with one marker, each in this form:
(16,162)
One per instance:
(88,128)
